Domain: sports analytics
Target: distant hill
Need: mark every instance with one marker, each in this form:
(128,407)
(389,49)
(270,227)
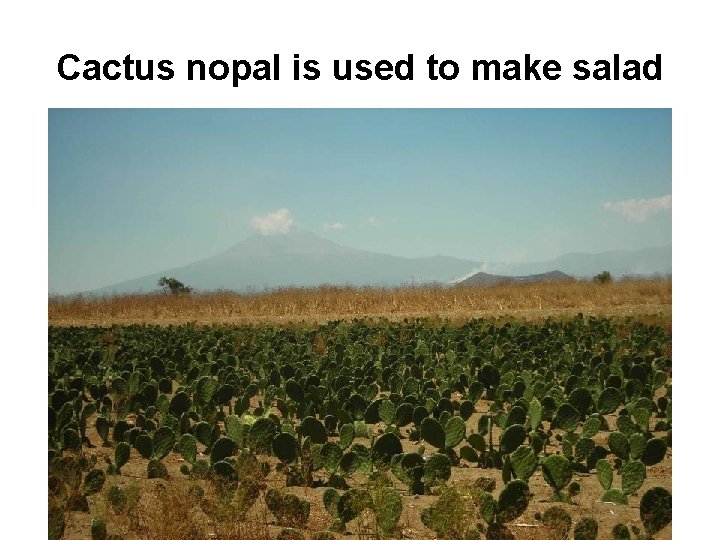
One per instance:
(485,279)
(300,259)
(641,262)
(303,259)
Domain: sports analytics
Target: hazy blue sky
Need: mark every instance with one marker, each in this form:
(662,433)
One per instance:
(133,192)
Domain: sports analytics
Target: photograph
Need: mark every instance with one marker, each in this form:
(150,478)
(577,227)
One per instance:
(367,323)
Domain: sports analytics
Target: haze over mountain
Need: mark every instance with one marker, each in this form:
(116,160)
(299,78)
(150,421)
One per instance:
(302,259)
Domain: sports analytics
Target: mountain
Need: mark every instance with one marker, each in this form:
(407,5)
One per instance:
(641,262)
(485,279)
(300,259)
(303,259)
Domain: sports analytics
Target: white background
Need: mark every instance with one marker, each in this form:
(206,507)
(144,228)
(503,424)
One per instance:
(34,36)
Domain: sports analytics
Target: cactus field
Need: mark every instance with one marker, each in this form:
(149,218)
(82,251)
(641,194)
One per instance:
(369,428)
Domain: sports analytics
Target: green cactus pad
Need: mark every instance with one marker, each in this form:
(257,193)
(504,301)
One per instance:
(352,503)
(625,425)
(385,447)
(524,462)
(224,447)
(477,442)
(187,446)
(486,504)
(284,447)
(469,454)
(56,522)
(98,529)
(654,453)
(349,463)
(637,445)
(586,529)
(633,476)
(567,417)
(512,437)
(387,506)
(93,482)
(534,414)
(656,509)
(314,429)
(294,391)
(330,501)
(261,434)
(432,432)
(437,469)
(591,427)
(180,403)
(144,445)
(558,521)
(604,473)
(386,411)
(513,501)
(331,454)
(557,471)
(347,435)
(157,469)
(454,431)
(620,532)
(614,495)
(234,428)
(619,445)
(122,455)
(163,442)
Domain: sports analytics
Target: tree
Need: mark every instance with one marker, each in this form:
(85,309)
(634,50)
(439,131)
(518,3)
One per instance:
(173,286)
(603,277)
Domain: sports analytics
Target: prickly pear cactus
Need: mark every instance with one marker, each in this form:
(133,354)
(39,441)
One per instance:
(261,434)
(122,455)
(656,509)
(637,445)
(331,454)
(524,462)
(284,447)
(558,521)
(513,501)
(604,473)
(454,431)
(437,469)
(157,469)
(163,441)
(56,522)
(614,495)
(654,452)
(347,434)
(386,411)
(224,447)
(187,446)
(619,445)
(557,471)
(314,429)
(94,481)
(586,529)
(609,400)
(98,530)
(567,417)
(512,437)
(534,414)
(385,447)
(432,432)
(620,532)
(633,476)
(387,507)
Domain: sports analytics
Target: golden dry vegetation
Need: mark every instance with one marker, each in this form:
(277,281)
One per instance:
(645,299)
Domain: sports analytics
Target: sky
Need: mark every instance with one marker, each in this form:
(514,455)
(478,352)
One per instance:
(137,191)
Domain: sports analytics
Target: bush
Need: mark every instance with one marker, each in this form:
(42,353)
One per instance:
(173,286)
(603,277)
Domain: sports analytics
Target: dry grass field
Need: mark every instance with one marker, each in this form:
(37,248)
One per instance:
(643,299)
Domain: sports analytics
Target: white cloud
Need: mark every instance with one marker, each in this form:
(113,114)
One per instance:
(638,210)
(333,226)
(278,222)
(372,220)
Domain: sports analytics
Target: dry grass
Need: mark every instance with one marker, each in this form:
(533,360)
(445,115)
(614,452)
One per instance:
(531,301)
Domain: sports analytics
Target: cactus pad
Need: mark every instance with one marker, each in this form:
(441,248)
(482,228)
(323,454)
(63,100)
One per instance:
(656,509)
(633,476)
(557,471)
(586,529)
(524,462)
(454,431)
(513,501)
(432,432)
(604,473)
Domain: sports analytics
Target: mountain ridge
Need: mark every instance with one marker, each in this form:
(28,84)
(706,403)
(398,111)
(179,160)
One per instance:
(303,259)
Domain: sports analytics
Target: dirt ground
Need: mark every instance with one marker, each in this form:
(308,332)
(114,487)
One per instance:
(260,523)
